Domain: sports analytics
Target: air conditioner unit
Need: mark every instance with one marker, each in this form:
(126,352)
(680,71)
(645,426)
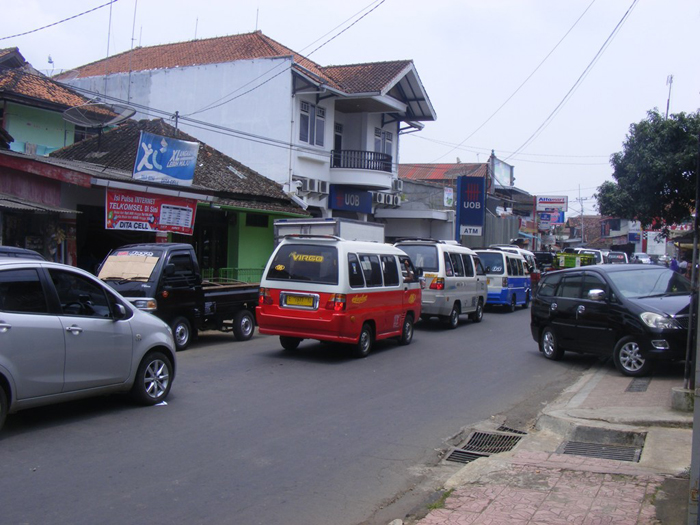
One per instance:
(322,186)
(380,198)
(309,185)
(396,200)
(397,185)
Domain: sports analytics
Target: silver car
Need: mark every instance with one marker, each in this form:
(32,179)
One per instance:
(65,335)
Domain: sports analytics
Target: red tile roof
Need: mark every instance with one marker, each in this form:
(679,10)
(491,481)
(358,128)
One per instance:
(366,78)
(441,173)
(20,83)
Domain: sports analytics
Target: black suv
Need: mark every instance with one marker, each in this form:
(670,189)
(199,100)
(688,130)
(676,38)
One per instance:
(634,313)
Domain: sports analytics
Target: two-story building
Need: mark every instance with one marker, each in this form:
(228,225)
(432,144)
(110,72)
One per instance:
(329,134)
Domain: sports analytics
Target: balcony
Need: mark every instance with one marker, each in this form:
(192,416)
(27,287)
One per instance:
(367,169)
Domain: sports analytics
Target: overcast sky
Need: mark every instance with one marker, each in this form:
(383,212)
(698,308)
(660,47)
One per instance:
(472,56)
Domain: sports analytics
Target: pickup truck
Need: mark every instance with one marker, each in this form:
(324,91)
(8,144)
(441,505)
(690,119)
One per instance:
(165,279)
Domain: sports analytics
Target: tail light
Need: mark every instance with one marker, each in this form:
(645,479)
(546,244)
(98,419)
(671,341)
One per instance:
(264,297)
(504,282)
(336,302)
(437,284)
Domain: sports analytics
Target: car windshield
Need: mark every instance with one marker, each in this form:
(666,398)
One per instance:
(422,256)
(130,265)
(493,262)
(305,262)
(649,282)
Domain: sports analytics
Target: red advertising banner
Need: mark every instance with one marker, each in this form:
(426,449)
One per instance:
(132,210)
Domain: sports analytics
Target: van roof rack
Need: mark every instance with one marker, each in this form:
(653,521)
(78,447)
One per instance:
(419,239)
(312,236)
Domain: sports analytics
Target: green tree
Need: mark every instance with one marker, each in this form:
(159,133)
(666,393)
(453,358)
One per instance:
(655,173)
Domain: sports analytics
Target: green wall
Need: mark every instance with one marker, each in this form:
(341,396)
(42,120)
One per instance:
(46,129)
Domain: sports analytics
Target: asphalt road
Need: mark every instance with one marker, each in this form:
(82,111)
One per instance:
(252,434)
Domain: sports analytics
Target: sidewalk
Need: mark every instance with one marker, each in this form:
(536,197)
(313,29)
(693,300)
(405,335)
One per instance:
(599,454)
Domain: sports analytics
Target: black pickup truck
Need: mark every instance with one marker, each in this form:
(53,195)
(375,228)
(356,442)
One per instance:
(164,279)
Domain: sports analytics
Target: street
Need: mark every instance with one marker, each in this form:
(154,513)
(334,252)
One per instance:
(252,434)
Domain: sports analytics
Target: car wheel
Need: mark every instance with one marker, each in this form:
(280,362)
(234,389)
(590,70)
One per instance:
(3,406)
(364,343)
(629,360)
(289,343)
(511,306)
(243,325)
(182,333)
(526,304)
(549,346)
(478,314)
(453,318)
(153,379)
(407,332)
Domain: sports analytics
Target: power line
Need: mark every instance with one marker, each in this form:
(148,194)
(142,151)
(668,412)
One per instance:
(60,21)
(578,81)
(522,84)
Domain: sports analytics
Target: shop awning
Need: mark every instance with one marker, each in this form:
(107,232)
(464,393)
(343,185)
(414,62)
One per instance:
(10,202)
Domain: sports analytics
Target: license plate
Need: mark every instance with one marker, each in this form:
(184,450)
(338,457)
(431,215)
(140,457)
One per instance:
(295,300)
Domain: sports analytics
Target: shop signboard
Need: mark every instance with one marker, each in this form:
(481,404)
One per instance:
(471,206)
(552,203)
(165,160)
(349,199)
(148,212)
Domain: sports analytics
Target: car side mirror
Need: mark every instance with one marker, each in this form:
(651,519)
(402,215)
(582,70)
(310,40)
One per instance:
(119,312)
(419,271)
(169,269)
(596,294)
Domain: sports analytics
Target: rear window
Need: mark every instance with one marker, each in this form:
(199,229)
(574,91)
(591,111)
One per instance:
(422,256)
(493,262)
(617,257)
(305,263)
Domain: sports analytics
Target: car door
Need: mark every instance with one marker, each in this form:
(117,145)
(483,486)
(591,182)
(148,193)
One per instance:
(461,292)
(182,291)
(412,291)
(98,347)
(563,310)
(393,295)
(32,346)
(594,328)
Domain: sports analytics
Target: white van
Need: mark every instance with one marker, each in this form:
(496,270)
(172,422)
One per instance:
(455,281)
(325,288)
(509,282)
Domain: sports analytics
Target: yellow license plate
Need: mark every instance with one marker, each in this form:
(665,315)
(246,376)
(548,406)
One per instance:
(294,300)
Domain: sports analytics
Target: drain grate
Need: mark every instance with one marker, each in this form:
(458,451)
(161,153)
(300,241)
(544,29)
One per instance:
(503,428)
(491,443)
(462,456)
(597,450)
(638,384)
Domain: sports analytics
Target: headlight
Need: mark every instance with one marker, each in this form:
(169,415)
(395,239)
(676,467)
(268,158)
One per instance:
(148,304)
(653,320)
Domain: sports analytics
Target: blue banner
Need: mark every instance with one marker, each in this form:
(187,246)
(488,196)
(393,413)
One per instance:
(165,160)
(349,199)
(471,206)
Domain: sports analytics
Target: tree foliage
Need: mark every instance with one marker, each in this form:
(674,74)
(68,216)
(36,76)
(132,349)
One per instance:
(655,173)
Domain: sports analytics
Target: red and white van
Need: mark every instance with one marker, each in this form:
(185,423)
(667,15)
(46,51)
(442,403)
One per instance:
(330,289)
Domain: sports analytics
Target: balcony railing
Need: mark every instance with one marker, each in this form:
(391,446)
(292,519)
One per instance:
(361,160)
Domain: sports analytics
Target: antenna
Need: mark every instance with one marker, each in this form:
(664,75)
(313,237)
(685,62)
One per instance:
(97,114)
(669,83)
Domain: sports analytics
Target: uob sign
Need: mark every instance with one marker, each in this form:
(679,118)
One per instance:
(471,206)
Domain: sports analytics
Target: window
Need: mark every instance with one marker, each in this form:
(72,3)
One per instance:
(422,256)
(468,266)
(383,141)
(591,282)
(312,124)
(355,274)
(448,266)
(184,270)
(256,220)
(548,286)
(479,267)
(389,270)
(407,269)
(21,291)
(571,287)
(371,269)
(80,296)
(305,262)
(457,264)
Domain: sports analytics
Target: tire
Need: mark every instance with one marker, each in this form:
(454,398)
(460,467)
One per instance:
(512,305)
(453,319)
(629,360)
(182,333)
(4,406)
(478,314)
(526,304)
(243,325)
(549,346)
(407,331)
(153,379)
(364,343)
(289,343)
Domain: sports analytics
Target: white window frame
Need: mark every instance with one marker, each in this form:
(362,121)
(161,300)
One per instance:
(312,118)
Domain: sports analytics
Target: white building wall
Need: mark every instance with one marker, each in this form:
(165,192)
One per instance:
(266,111)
